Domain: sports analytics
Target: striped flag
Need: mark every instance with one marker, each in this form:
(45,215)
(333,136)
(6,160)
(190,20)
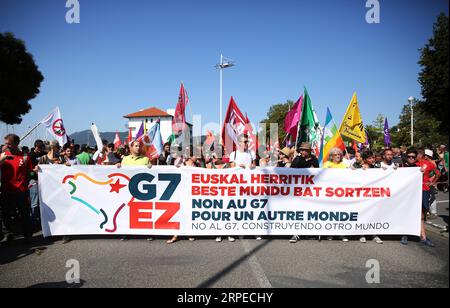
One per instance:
(331,138)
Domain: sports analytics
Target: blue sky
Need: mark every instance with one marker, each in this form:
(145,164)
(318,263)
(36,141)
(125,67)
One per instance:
(129,55)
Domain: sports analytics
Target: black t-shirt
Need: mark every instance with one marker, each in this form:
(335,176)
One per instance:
(34,161)
(300,162)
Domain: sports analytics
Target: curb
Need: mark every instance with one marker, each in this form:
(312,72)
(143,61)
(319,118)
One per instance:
(437,229)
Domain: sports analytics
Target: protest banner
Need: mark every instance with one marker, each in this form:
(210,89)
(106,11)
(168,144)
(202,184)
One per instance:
(166,200)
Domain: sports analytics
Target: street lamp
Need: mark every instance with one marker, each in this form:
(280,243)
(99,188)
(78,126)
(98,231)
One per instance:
(411,100)
(224,63)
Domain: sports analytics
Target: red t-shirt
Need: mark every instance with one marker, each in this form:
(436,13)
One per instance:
(427,167)
(15,174)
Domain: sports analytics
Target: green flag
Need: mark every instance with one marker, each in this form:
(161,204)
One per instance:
(309,125)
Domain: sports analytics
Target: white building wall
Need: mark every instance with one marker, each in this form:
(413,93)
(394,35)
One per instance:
(166,125)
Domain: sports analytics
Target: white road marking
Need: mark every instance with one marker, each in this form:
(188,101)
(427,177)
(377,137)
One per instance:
(256,266)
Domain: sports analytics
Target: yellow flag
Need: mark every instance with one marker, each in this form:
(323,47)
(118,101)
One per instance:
(352,125)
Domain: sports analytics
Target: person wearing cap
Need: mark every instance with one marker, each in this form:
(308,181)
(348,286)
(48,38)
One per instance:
(430,176)
(305,159)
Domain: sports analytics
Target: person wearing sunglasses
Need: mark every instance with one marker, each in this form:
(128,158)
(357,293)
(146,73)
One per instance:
(242,157)
(411,161)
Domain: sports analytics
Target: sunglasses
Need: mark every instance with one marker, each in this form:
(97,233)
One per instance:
(411,156)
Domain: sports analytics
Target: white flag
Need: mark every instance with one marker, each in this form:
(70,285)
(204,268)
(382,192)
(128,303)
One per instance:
(97,138)
(54,124)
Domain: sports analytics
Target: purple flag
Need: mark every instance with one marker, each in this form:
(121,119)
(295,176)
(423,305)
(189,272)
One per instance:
(367,143)
(387,134)
(140,132)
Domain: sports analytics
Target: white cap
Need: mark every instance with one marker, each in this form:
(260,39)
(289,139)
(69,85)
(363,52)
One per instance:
(429,153)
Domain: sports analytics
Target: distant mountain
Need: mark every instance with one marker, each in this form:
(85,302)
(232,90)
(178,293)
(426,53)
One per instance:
(86,137)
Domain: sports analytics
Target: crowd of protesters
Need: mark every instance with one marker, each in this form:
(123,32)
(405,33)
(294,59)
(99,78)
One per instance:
(19,198)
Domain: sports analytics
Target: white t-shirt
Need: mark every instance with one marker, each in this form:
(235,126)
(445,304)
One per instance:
(392,166)
(242,158)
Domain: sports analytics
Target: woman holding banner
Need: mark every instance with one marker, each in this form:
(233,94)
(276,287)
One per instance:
(136,158)
(336,161)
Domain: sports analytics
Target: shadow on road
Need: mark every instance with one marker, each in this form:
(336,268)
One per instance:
(18,249)
(211,281)
(58,285)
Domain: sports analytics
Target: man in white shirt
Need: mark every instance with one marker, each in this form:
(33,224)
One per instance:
(245,159)
(242,157)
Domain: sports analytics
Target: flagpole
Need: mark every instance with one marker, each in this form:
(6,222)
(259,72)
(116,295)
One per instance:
(190,109)
(30,131)
(221,99)
(298,125)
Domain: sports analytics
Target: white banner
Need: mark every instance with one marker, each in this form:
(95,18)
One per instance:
(192,201)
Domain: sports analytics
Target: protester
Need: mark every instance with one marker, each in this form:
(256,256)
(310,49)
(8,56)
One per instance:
(378,159)
(52,156)
(349,158)
(358,162)
(165,158)
(191,161)
(285,156)
(242,157)
(387,163)
(335,160)
(443,168)
(397,157)
(84,158)
(36,153)
(305,159)
(136,158)
(427,167)
(68,158)
(15,168)
(411,162)
(368,159)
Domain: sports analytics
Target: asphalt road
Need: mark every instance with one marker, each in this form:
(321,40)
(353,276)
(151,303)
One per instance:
(109,262)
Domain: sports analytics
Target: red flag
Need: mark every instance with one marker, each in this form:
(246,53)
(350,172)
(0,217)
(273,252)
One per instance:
(130,137)
(355,147)
(179,119)
(236,124)
(117,141)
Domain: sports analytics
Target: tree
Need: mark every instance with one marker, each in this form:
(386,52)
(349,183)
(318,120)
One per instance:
(433,78)
(277,114)
(426,128)
(20,79)
(375,132)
